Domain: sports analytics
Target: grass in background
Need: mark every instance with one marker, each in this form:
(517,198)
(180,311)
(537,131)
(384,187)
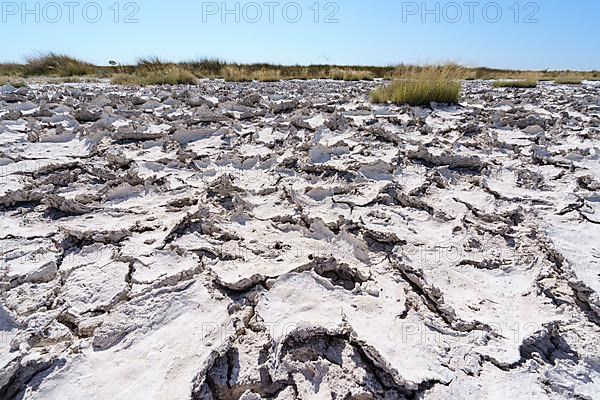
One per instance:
(233,73)
(14,81)
(349,74)
(53,64)
(568,80)
(12,73)
(156,71)
(12,69)
(267,73)
(171,75)
(420,87)
(203,68)
(528,83)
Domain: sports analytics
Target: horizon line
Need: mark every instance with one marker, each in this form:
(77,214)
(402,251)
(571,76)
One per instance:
(154,58)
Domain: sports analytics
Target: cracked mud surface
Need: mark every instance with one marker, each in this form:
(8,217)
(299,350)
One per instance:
(293,241)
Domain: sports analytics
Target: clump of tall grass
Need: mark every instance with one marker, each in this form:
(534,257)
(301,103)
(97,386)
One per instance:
(568,80)
(12,80)
(420,87)
(205,67)
(518,84)
(266,75)
(11,73)
(350,74)
(170,76)
(234,73)
(12,69)
(154,71)
(54,64)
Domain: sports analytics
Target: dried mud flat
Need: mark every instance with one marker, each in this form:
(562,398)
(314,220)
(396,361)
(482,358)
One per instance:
(293,241)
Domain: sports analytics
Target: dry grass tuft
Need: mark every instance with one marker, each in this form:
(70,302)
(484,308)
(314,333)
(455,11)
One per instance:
(420,87)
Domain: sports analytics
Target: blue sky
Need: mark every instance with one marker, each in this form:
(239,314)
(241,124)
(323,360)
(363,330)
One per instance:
(379,32)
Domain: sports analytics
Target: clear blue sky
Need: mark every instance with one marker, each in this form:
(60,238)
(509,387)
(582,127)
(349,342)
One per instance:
(377,32)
